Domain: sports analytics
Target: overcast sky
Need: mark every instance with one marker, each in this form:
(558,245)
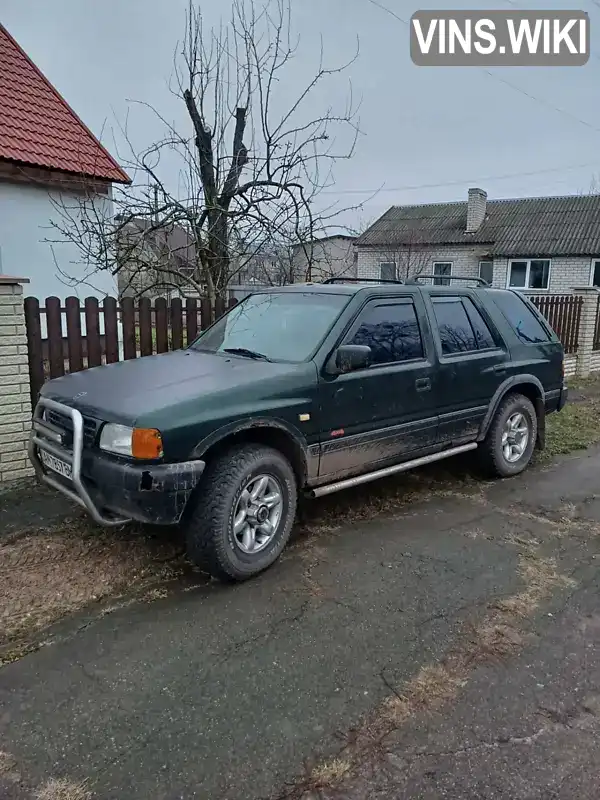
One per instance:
(429,133)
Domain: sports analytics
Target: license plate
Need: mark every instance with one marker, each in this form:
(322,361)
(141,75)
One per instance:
(56,465)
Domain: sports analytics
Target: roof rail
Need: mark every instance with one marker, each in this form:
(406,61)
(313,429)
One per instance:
(417,281)
(362,280)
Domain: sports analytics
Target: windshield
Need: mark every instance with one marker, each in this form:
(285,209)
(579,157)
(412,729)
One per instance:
(284,326)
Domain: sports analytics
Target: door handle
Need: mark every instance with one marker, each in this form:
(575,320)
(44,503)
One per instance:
(423,384)
(500,369)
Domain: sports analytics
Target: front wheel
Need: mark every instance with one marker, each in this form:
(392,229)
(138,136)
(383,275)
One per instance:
(509,444)
(244,513)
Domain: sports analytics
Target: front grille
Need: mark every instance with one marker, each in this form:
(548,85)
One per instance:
(90,427)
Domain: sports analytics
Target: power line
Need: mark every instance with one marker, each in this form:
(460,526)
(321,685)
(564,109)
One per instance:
(502,80)
(389,11)
(460,182)
(543,102)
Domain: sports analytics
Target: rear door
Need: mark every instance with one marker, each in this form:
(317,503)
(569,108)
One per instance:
(472,364)
(387,412)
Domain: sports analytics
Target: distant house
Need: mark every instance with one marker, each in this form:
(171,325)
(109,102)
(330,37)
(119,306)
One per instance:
(48,159)
(154,261)
(327,257)
(542,244)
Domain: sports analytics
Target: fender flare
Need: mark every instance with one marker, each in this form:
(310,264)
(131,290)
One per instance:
(295,436)
(501,393)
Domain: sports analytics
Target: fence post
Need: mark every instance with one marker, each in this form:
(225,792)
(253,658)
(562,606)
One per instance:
(15,402)
(587,328)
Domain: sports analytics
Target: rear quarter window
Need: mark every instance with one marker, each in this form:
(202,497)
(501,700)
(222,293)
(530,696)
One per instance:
(521,318)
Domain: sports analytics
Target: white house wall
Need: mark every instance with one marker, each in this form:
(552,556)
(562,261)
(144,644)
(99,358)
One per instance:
(565,273)
(465,261)
(25,214)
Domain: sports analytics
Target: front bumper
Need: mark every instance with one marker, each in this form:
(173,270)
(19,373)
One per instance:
(112,490)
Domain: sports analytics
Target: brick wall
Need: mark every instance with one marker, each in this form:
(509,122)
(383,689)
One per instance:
(465,260)
(15,405)
(564,272)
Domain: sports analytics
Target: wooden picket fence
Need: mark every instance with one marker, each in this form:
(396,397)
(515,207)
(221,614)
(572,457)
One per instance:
(563,312)
(146,328)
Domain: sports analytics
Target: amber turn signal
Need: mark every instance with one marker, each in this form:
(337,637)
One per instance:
(146,443)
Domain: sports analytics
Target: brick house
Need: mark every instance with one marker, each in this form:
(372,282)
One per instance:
(538,244)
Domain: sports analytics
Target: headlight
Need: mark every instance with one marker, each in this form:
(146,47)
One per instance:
(116,439)
(143,443)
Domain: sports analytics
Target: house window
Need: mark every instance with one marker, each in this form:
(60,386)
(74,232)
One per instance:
(387,271)
(486,270)
(529,273)
(440,270)
(595,276)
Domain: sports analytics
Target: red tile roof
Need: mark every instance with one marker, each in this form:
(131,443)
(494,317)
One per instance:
(38,128)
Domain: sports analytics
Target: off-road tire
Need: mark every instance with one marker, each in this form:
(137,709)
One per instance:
(210,541)
(491,450)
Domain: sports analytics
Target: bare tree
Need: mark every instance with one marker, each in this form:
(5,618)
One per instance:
(252,160)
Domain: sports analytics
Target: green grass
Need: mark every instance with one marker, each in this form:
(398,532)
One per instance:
(577,426)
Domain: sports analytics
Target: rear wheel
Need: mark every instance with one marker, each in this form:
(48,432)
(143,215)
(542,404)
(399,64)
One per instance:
(244,512)
(510,442)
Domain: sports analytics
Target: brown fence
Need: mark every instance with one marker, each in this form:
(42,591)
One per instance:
(563,312)
(148,328)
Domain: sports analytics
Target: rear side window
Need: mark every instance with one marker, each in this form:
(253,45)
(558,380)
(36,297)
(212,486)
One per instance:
(483,335)
(522,319)
(456,332)
(392,332)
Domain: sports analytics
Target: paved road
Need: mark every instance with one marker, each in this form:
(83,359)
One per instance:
(223,693)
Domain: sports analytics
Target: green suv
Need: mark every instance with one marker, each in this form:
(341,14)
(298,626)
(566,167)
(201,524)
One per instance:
(303,389)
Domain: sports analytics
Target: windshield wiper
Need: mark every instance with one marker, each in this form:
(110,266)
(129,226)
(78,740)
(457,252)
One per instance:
(243,351)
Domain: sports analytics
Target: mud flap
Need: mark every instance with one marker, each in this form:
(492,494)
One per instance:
(540,411)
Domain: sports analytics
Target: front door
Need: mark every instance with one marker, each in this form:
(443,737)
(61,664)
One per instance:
(473,363)
(383,413)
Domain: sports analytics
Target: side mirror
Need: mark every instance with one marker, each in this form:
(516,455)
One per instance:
(350,357)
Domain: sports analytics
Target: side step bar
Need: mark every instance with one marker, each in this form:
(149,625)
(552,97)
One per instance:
(349,483)
(47,437)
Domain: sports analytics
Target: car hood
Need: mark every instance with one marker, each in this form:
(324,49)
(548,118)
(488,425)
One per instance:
(126,390)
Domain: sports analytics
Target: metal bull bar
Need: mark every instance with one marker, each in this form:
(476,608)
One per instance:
(50,439)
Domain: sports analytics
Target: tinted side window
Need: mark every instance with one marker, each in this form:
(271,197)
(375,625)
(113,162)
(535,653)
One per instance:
(483,335)
(391,331)
(521,317)
(455,329)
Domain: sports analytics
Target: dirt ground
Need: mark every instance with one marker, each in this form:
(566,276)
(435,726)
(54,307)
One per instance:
(54,561)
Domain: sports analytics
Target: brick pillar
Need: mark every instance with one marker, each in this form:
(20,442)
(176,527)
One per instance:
(15,403)
(587,328)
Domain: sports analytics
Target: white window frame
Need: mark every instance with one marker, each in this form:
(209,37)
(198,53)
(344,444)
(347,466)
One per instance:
(485,261)
(441,277)
(381,263)
(528,261)
(592,269)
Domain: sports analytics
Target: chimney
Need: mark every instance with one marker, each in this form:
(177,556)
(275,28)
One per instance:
(476,209)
